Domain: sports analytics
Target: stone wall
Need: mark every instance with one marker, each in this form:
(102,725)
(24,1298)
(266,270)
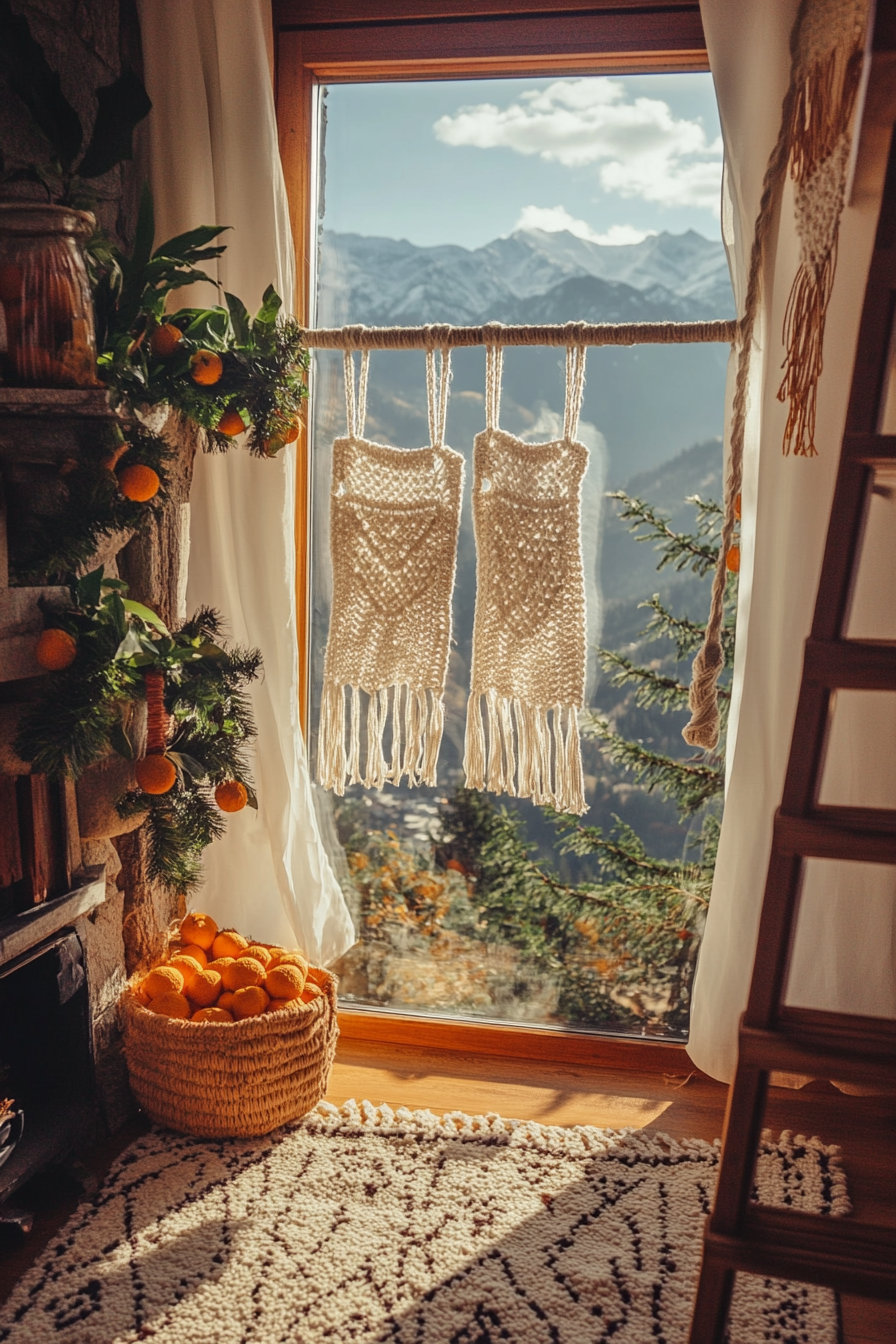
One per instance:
(89,42)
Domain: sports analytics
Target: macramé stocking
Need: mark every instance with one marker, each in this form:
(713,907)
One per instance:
(527,680)
(394,519)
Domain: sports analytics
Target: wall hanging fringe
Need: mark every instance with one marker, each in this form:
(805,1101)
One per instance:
(394,520)
(808,124)
(827,66)
(527,680)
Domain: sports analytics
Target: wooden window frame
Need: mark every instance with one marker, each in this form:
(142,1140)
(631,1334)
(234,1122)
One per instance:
(319,42)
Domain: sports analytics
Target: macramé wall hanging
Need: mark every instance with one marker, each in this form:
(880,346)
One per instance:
(394,520)
(814,140)
(529,636)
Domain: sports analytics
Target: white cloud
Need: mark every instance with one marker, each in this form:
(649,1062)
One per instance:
(557,219)
(643,149)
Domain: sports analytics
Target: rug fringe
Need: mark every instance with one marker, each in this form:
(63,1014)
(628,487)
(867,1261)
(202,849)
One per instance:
(632,1144)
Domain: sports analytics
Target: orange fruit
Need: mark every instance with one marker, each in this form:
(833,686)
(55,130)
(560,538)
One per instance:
(231,423)
(242,972)
(196,952)
(219,963)
(139,483)
(285,982)
(276,953)
(198,929)
(226,1001)
(206,368)
(155,774)
(170,1005)
(291,433)
(276,1004)
(56,650)
(218,1014)
(231,796)
(293,959)
(732,559)
(318,977)
(205,988)
(164,340)
(229,943)
(142,997)
(162,980)
(259,952)
(311,991)
(188,968)
(249,1002)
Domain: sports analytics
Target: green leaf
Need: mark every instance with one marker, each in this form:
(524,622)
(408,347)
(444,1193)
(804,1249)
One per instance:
(239,316)
(89,588)
(120,107)
(38,86)
(145,232)
(271,303)
(251,799)
(114,604)
(121,742)
(144,613)
(188,764)
(130,645)
(210,651)
(183,244)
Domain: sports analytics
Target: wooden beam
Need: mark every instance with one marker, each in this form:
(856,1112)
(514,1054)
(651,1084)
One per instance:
(516,1041)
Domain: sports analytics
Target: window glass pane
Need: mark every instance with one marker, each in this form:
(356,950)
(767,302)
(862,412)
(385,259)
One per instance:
(534,201)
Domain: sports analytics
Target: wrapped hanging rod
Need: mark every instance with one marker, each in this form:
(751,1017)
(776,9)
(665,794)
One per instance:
(495,333)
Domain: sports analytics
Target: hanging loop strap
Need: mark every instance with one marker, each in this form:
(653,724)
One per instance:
(494,365)
(437,394)
(575,389)
(356,410)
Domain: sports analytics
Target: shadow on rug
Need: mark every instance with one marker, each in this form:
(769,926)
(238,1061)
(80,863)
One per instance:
(364,1224)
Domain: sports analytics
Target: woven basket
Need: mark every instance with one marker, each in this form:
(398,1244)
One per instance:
(230,1079)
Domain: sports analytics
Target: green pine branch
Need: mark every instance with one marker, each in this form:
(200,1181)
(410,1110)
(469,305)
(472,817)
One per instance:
(651,687)
(689,784)
(688,635)
(697,551)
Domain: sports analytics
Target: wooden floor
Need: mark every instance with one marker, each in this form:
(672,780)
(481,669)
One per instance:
(681,1105)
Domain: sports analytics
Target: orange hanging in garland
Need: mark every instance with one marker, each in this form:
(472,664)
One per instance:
(155,772)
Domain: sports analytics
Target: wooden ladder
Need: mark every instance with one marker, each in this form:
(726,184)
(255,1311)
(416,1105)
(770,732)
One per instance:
(741,1235)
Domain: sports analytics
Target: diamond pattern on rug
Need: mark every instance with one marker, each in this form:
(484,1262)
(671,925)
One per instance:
(366,1225)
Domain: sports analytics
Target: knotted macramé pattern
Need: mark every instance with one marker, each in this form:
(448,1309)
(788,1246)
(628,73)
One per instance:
(527,679)
(813,138)
(394,519)
(827,66)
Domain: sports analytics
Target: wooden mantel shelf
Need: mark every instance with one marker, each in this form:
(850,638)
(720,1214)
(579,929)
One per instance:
(20,933)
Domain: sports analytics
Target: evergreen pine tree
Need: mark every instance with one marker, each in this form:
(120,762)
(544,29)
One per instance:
(622,947)
(616,950)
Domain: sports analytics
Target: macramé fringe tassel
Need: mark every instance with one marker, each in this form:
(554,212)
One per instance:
(528,751)
(417,721)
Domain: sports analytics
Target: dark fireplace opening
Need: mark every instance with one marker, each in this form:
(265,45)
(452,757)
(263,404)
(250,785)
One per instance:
(46,1062)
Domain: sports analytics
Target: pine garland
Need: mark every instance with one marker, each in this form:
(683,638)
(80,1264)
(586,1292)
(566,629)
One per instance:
(61,543)
(88,711)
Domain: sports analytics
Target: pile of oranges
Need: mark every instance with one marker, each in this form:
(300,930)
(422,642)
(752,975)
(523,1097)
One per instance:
(217,975)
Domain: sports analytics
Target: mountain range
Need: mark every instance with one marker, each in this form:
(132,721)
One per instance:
(645,403)
(386,281)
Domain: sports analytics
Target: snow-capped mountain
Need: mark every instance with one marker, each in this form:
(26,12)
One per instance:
(385,281)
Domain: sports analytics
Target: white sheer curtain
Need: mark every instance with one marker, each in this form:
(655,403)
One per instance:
(213,158)
(844,955)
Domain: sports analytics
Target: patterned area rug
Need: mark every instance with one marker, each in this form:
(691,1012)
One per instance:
(361,1224)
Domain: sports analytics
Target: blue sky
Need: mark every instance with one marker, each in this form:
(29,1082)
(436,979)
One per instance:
(464,162)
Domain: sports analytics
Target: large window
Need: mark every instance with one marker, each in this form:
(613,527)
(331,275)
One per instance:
(528,201)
